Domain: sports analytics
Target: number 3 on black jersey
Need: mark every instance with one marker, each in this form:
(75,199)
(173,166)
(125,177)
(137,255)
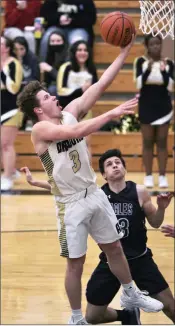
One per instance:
(124,224)
(74,156)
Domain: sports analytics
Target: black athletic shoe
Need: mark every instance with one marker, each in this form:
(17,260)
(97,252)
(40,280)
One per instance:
(131,317)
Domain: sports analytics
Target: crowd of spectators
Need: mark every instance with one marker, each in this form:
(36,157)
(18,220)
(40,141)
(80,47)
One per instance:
(38,39)
(52,41)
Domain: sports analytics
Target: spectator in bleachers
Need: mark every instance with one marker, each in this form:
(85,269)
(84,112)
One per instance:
(18,16)
(76,17)
(28,59)
(11,118)
(154,79)
(77,75)
(56,55)
(30,64)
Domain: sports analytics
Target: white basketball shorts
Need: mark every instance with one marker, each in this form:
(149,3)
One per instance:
(92,214)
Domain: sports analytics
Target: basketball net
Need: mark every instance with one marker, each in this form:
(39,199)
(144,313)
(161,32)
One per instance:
(157,17)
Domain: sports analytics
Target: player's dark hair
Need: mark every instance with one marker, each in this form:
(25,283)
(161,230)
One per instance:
(108,154)
(27,100)
(150,36)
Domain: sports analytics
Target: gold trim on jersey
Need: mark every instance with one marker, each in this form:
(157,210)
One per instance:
(62,91)
(13,85)
(48,165)
(135,67)
(62,233)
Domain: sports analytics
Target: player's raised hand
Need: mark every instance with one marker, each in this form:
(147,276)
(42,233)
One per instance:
(168,230)
(127,48)
(126,108)
(28,174)
(163,200)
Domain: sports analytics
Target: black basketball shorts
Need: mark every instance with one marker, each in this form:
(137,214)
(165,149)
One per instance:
(103,285)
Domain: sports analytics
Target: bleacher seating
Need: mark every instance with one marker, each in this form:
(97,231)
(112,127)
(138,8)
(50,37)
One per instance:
(130,144)
(105,53)
(116,5)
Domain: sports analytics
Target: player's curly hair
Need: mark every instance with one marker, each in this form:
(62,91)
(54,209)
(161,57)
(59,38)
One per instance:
(108,154)
(27,100)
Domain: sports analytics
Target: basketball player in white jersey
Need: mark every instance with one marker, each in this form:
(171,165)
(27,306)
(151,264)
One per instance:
(82,207)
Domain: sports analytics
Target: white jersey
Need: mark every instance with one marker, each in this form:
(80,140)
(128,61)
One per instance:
(67,164)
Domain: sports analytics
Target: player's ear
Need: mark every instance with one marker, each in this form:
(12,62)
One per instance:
(104,176)
(37,110)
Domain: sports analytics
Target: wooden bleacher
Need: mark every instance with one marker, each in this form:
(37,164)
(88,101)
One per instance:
(106,53)
(131,143)
(122,84)
(116,5)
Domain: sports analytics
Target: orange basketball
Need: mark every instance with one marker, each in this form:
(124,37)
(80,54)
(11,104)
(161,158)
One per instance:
(117,28)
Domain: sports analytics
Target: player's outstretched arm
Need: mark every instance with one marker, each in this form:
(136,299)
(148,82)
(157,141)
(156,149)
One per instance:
(154,216)
(32,182)
(44,131)
(83,104)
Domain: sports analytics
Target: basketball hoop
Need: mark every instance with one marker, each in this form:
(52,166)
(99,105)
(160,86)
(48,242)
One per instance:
(157,17)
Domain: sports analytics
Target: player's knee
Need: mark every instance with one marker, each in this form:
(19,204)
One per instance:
(169,309)
(113,249)
(75,266)
(93,320)
(94,317)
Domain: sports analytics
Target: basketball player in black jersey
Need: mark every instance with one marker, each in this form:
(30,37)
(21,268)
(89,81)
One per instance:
(132,205)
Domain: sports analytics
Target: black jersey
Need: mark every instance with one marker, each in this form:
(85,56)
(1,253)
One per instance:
(131,218)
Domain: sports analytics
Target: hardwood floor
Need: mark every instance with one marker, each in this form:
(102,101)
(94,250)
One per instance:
(32,272)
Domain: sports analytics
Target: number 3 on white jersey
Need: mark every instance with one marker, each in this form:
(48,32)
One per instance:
(74,156)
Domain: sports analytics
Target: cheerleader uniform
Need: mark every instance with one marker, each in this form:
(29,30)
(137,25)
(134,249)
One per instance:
(11,79)
(70,83)
(155,105)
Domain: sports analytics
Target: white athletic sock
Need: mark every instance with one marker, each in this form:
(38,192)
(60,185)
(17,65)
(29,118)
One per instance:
(77,314)
(129,288)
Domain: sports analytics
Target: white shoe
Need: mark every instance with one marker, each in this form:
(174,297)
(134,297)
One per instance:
(82,321)
(148,181)
(140,299)
(16,175)
(6,183)
(163,182)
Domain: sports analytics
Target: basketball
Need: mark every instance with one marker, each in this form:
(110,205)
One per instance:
(117,28)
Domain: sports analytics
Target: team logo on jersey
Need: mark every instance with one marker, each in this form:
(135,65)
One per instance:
(122,209)
(64,145)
